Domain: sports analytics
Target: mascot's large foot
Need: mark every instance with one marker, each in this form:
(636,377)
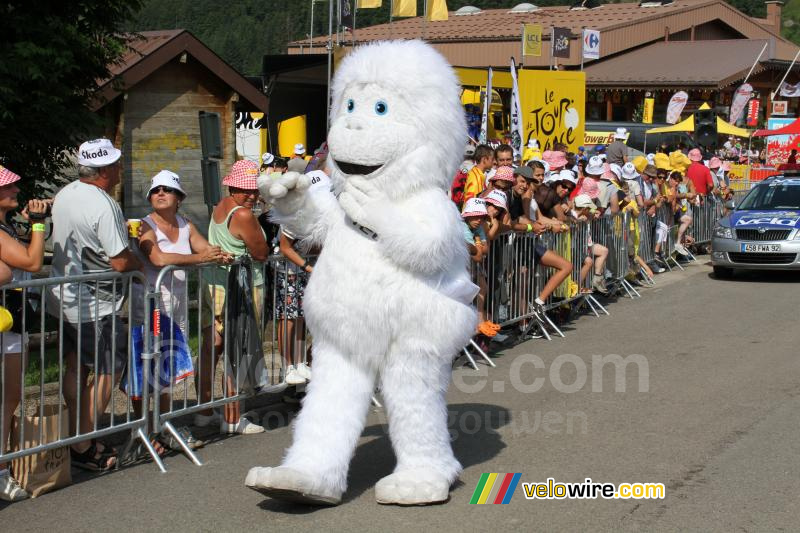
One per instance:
(292,485)
(413,487)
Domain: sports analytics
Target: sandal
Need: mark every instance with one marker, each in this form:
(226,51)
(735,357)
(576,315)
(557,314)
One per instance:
(93,460)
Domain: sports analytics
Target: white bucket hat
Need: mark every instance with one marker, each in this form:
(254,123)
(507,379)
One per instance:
(629,171)
(299,149)
(615,169)
(595,166)
(474,207)
(497,199)
(567,175)
(621,133)
(267,158)
(98,153)
(167,179)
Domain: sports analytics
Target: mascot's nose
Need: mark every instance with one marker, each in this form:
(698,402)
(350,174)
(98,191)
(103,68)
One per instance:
(354,123)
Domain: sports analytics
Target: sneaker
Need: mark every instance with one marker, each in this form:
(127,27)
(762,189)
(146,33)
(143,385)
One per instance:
(168,440)
(201,420)
(293,377)
(599,285)
(656,267)
(304,370)
(10,489)
(242,427)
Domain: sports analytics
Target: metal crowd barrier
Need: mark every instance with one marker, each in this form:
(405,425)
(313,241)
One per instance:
(704,216)
(43,321)
(232,372)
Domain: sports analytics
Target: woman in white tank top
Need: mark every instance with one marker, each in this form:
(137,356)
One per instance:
(169,239)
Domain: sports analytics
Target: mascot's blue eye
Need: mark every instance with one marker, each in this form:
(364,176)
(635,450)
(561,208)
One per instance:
(381,107)
(350,105)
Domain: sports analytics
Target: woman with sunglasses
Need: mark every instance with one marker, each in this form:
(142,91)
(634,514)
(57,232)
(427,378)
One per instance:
(169,239)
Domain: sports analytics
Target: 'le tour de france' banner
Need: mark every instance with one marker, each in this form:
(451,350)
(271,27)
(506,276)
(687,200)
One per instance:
(553,104)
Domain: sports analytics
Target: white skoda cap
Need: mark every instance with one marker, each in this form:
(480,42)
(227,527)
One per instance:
(98,153)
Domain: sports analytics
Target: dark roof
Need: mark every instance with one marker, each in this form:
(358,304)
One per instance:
(153,49)
(678,63)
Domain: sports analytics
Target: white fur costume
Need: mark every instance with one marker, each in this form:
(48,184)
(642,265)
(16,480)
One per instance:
(396,303)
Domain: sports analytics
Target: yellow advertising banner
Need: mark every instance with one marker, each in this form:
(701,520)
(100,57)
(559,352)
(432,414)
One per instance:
(553,107)
(647,115)
(437,10)
(404,8)
(368,4)
(591,138)
(532,40)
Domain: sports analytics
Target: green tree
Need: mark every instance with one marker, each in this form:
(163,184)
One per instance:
(51,56)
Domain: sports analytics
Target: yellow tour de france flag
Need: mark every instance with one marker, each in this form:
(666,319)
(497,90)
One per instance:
(404,8)
(437,10)
(368,4)
(532,40)
(647,115)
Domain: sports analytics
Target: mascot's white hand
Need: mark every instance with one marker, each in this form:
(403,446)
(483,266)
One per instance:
(286,193)
(365,203)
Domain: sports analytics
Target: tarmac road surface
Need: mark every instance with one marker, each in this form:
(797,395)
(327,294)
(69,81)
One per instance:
(710,408)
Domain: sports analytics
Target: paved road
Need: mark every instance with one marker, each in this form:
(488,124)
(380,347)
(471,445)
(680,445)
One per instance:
(716,419)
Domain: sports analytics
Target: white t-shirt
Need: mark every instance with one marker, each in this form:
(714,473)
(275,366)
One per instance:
(532,210)
(88,229)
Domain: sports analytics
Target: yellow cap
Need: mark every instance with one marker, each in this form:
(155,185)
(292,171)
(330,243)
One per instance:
(6,320)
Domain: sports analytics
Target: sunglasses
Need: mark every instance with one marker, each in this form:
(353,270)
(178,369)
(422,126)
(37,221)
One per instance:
(165,189)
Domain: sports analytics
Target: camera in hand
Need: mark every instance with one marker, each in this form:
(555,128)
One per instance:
(41,216)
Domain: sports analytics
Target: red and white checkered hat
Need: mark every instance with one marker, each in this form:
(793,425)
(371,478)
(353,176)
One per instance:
(503,173)
(7,177)
(243,175)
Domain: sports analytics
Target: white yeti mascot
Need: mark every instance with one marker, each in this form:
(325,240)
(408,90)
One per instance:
(390,294)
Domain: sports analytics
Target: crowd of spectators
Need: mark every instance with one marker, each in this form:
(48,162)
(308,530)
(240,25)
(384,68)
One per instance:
(552,192)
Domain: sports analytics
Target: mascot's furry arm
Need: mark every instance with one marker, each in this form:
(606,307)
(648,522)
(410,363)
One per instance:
(416,233)
(304,215)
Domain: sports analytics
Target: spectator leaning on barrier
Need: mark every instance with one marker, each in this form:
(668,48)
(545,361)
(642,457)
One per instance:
(18,261)
(597,254)
(699,174)
(169,239)
(476,177)
(91,239)
(233,228)
(681,193)
(475,217)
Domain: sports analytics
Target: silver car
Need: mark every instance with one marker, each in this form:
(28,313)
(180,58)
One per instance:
(763,232)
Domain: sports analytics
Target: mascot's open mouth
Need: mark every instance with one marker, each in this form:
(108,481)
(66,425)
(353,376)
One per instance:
(352,169)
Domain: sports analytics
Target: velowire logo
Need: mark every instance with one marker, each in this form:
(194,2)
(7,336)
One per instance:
(495,488)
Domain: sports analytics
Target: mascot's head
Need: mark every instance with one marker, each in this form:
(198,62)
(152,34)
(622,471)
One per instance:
(396,118)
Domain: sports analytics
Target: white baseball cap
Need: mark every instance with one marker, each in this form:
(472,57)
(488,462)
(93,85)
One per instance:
(98,153)
(267,158)
(167,179)
(497,198)
(299,149)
